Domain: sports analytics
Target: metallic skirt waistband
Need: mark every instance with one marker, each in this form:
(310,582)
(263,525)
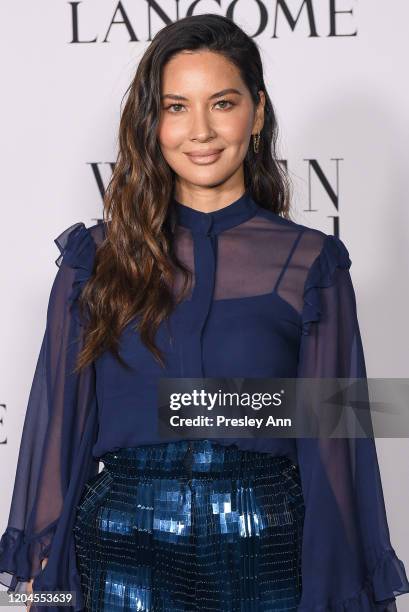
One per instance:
(201,457)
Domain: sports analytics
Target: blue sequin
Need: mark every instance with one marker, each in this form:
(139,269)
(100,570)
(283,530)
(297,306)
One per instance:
(186,526)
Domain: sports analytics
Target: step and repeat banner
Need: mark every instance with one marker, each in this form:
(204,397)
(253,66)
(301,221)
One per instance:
(335,71)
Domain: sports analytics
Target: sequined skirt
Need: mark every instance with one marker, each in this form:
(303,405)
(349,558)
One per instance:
(185,526)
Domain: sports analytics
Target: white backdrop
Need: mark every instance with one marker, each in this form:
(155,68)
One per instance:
(338,86)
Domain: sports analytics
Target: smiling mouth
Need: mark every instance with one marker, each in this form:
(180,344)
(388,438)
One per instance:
(205,158)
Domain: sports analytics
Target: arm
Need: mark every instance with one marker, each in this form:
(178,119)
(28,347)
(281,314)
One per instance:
(348,559)
(55,457)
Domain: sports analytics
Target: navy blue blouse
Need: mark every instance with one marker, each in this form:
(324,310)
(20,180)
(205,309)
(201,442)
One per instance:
(269,298)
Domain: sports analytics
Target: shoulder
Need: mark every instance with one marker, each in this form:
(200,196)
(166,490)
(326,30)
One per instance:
(314,245)
(78,244)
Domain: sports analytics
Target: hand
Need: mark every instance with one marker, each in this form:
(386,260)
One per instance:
(28,591)
(30,584)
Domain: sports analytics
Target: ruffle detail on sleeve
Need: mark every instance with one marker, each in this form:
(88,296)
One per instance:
(389,579)
(334,254)
(21,557)
(378,593)
(77,249)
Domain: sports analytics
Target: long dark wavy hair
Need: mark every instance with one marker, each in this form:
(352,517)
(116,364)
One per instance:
(135,264)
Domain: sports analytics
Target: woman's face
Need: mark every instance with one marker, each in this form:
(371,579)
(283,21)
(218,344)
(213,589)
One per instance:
(206,107)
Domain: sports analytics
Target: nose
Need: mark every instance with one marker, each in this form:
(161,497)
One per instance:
(201,128)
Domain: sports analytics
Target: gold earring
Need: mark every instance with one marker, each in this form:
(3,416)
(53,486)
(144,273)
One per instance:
(256,142)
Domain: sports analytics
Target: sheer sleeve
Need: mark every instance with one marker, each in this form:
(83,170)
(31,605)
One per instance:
(55,456)
(348,562)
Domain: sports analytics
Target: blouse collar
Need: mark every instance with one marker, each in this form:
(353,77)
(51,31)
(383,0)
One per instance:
(216,221)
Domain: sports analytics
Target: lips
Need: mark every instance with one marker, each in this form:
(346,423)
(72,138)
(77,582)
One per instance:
(204,157)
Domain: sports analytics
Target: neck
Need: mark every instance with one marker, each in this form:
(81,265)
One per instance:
(208,200)
(217,220)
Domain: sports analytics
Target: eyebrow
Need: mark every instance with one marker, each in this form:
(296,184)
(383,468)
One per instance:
(223,92)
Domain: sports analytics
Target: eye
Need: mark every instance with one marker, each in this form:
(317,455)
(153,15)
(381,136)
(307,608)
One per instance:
(173,106)
(225,102)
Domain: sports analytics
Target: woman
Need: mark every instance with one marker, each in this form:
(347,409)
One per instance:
(196,271)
